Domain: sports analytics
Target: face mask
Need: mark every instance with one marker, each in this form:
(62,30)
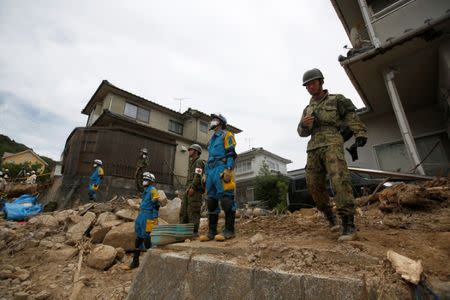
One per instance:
(214,123)
(145,182)
(95,165)
(144,155)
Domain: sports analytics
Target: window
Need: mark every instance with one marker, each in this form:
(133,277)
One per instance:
(244,166)
(175,127)
(203,127)
(130,110)
(143,115)
(136,112)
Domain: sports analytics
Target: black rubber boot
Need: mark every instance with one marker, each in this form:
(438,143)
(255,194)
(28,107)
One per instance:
(147,243)
(213,220)
(332,221)
(349,230)
(230,217)
(135,261)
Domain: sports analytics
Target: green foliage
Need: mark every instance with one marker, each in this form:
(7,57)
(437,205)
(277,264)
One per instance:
(17,172)
(8,145)
(271,189)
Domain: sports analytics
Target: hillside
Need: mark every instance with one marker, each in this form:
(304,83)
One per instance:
(11,146)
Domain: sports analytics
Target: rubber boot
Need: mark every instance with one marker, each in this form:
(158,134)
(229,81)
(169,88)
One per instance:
(135,262)
(349,230)
(147,243)
(332,221)
(213,219)
(228,232)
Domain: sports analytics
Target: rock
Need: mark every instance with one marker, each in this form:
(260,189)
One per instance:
(31,243)
(8,267)
(120,253)
(7,235)
(258,212)
(5,274)
(46,244)
(45,220)
(162,221)
(75,219)
(101,257)
(98,233)
(106,217)
(171,211)
(53,286)
(43,295)
(76,232)
(22,275)
(26,283)
(134,203)
(21,296)
(63,216)
(162,198)
(58,238)
(257,238)
(62,254)
(127,214)
(121,236)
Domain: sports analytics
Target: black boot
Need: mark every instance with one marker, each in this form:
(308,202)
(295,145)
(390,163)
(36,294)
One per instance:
(349,230)
(135,261)
(213,219)
(229,224)
(147,243)
(332,221)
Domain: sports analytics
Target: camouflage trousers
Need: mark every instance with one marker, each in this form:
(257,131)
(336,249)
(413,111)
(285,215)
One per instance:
(138,179)
(330,160)
(191,209)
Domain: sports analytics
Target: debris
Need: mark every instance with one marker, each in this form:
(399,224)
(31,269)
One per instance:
(127,214)
(78,284)
(257,238)
(171,212)
(121,236)
(101,257)
(45,220)
(98,233)
(77,231)
(162,198)
(106,217)
(410,270)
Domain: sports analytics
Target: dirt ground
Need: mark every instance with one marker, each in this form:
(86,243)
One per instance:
(294,242)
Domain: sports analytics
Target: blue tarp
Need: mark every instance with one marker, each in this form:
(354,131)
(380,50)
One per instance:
(21,208)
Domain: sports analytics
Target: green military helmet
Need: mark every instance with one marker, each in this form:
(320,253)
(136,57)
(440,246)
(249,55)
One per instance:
(196,147)
(312,75)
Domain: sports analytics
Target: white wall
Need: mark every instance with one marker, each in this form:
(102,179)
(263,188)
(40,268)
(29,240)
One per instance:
(384,129)
(257,163)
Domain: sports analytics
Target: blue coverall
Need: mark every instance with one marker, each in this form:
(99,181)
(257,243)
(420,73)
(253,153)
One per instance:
(148,214)
(94,181)
(221,149)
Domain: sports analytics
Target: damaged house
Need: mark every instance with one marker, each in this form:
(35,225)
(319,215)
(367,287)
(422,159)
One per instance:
(119,125)
(400,66)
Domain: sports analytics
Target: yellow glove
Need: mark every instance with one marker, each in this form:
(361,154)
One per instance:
(227,175)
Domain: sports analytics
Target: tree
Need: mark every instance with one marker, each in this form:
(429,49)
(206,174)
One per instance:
(271,189)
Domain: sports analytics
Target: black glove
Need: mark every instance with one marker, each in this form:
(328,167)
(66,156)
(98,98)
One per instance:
(360,141)
(157,206)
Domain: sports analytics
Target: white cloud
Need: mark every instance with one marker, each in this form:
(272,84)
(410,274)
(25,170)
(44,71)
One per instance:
(244,59)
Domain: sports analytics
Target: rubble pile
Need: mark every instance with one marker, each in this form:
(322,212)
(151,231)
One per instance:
(41,257)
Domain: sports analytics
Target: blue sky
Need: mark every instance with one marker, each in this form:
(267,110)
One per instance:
(243,59)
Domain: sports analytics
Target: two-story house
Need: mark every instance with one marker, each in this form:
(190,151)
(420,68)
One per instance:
(248,165)
(400,66)
(119,124)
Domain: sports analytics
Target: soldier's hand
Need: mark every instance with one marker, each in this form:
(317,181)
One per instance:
(308,121)
(190,192)
(360,141)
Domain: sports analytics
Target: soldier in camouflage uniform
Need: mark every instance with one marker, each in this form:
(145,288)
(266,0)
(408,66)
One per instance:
(192,200)
(323,119)
(141,167)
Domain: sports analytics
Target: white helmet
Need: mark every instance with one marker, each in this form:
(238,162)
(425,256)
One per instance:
(33,172)
(98,162)
(144,150)
(149,176)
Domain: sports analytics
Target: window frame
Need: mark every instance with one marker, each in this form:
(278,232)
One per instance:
(174,130)
(205,124)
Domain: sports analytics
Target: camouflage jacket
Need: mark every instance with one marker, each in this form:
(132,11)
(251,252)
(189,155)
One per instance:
(195,173)
(142,165)
(331,113)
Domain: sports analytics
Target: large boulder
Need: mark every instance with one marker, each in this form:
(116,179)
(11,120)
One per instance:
(106,217)
(63,216)
(98,233)
(162,198)
(7,234)
(171,212)
(101,257)
(45,220)
(76,232)
(122,236)
(127,214)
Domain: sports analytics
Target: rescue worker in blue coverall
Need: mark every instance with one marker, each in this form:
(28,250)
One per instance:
(147,218)
(95,179)
(220,180)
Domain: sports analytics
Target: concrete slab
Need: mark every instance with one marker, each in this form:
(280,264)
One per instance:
(167,274)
